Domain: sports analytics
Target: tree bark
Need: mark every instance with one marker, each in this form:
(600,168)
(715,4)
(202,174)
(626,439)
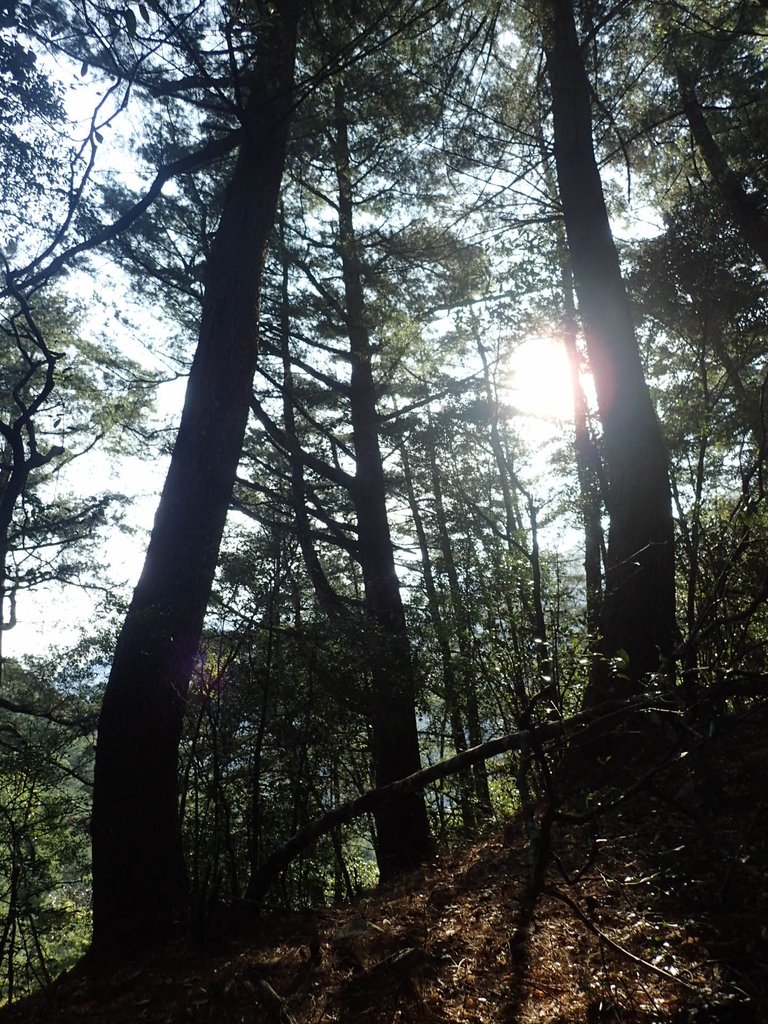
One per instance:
(139,877)
(327,597)
(638,614)
(402,828)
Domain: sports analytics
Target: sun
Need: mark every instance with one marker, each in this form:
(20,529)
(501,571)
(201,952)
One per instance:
(539,381)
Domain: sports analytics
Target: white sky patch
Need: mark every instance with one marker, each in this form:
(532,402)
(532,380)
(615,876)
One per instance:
(55,614)
(538,387)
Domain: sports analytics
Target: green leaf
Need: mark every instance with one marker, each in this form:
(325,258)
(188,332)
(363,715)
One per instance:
(144,13)
(84,69)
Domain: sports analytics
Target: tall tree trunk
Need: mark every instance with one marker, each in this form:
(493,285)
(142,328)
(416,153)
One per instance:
(139,878)
(270,625)
(589,467)
(401,824)
(690,527)
(638,615)
(328,599)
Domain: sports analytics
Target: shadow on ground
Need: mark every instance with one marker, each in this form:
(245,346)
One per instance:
(652,909)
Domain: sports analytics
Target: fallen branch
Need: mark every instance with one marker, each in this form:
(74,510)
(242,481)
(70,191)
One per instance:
(270,1001)
(307,836)
(622,950)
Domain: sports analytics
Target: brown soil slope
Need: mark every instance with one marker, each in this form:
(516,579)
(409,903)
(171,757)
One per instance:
(654,909)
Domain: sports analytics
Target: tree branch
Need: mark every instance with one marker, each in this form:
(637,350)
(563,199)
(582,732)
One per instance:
(346,812)
(86,722)
(34,275)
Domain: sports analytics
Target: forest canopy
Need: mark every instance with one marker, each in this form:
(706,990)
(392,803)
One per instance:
(341,225)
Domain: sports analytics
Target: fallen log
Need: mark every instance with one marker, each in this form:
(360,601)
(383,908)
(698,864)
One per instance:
(346,812)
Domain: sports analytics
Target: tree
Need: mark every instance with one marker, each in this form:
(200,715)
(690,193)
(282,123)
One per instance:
(46,755)
(355,416)
(184,626)
(638,614)
(702,318)
(340,349)
(60,396)
(139,876)
(33,114)
(731,131)
(402,830)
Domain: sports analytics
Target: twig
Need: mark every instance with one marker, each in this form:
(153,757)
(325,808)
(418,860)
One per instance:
(551,891)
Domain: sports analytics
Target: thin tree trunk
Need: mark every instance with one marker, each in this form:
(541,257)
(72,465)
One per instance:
(327,597)
(690,530)
(479,774)
(451,689)
(402,829)
(139,877)
(255,823)
(638,615)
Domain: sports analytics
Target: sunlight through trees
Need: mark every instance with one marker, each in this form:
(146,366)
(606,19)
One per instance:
(455,464)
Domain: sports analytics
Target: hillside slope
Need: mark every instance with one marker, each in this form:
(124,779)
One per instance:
(654,909)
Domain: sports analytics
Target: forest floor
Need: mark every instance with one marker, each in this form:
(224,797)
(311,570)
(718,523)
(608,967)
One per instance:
(656,909)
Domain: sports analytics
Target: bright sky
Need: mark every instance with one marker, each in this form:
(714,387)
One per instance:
(54,615)
(539,382)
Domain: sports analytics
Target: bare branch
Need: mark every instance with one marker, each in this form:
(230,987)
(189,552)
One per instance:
(603,714)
